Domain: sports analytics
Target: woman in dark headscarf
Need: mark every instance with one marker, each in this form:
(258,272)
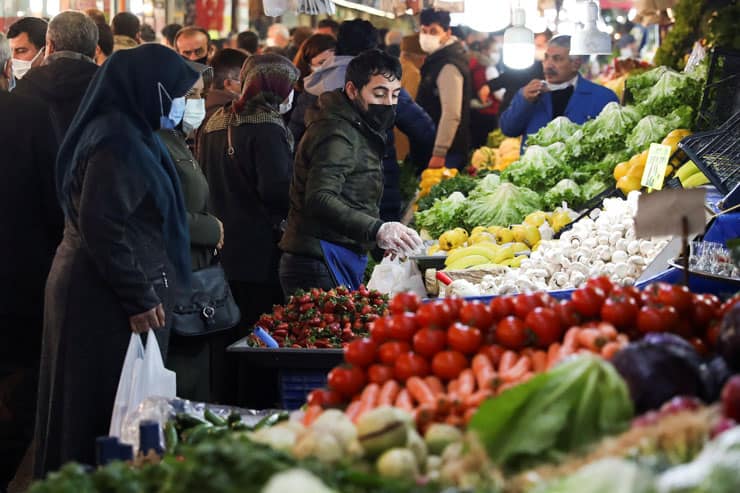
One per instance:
(247,154)
(125,243)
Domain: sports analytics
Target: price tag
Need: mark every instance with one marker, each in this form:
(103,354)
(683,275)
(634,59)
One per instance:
(655,166)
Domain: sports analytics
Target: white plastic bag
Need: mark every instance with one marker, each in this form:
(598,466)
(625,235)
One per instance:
(143,375)
(393,276)
(276,8)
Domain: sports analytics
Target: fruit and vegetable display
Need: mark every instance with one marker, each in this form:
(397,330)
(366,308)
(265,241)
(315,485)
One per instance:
(322,319)
(602,243)
(431,177)
(500,152)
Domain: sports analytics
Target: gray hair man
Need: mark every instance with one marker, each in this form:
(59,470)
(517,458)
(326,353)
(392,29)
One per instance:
(6,65)
(61,81)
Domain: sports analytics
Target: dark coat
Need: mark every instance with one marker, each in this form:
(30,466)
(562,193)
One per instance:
(249,193)
(337,182)
(125,230)
(60,85)
(32,227)
(204,229)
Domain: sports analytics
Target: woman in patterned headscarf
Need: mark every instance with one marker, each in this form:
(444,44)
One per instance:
(246,152)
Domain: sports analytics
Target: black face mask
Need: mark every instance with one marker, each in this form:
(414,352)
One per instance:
(202,61)
(381,117)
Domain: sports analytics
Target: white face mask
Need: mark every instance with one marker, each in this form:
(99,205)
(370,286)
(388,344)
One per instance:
(287,104)
(20,67)
(195,113)
(430,43)
(270,42)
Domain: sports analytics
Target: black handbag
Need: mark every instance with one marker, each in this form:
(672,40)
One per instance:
(208,306)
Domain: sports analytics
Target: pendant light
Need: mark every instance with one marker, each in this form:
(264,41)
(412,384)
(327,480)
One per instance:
(518,42)
(589,40)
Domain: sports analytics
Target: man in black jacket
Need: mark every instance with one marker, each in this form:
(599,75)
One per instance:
(30,230)
(445,90)
(62,80)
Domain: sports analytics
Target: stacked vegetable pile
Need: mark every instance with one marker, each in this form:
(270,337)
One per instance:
(322,319)
(500,152)
(442,359)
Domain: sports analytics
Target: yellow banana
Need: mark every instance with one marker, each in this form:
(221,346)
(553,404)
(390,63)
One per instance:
(467,262)
(695,180)
(686,170)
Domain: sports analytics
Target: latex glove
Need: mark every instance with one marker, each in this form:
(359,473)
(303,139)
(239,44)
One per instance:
(398,239)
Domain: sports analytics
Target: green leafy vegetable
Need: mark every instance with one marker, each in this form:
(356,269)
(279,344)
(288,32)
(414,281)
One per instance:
(460,183)
(606,132)
(640,84)
(554,413)
(540,168)
(592,188)
(507,204)
(486,185)
(604,476)
(566,190)
(670,91)
(650,129)
(445,214)
(557,130)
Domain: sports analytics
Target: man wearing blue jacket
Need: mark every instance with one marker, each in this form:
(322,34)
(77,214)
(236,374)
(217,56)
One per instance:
(563,93)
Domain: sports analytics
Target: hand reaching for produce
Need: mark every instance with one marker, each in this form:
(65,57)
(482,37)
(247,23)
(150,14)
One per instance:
(436,162)
(398,239)
(533,90)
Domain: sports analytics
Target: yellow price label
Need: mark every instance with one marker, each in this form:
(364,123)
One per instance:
(655,166)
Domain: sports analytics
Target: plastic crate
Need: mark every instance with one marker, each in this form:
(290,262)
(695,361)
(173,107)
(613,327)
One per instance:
(295,386)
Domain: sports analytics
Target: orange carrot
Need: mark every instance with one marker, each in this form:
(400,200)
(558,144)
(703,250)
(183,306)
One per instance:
(508,359)
(503,388)
(539,361)
(369,398)
(452,387)
(566,351)
(469,413)
(454,420)
(591,339)
(553,355)
(475,400)
(467,383)
(571,336)
(311,414)
(353,410)
(423,415)
(420,391)
(435,384)
(388,393)
(403,401)
(527,376)
(610,349)
(608,331)
(483,370)
(518,370)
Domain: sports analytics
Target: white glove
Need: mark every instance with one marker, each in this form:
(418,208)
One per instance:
(399,239)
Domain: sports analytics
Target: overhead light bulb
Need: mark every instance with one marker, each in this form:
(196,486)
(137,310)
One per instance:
(589,40)
(518,42)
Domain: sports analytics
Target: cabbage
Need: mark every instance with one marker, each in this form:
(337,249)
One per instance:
(592,188)
(639,85)
(650,129)
(557,130)
(566,190)
(507,204)
(607,132)
(445,214)
(486,185)
(540,168)
(671,90)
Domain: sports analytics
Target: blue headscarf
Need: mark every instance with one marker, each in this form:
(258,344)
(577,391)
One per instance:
(121,111)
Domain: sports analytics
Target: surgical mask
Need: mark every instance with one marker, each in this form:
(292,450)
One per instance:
(287,105)
(20,67)
(177,110)
(430,43)
(381,117)
(195,113)
(270,42)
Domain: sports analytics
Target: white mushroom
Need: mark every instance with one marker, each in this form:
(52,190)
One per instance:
(619,256)
(576,278)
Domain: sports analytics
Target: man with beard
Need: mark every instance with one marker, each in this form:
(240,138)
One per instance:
(563,93)
(337,185)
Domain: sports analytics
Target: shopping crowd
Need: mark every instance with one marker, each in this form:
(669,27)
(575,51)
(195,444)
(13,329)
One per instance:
(132,167)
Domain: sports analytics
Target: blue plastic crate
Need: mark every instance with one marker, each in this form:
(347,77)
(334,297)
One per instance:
(295,385)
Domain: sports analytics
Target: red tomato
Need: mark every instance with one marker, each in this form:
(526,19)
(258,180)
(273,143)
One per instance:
(476,314)
(502,306)
(601,282)
(567,314)
(347,380)
(389,351)
(727,305)
(587,301)
(410,365)
(630,291)
(404,302)
(683,327)
(703,312)
(447,365)
(511,333)
(454,303)
(360,352)
(324,398)
(465,339)
(650,293)
(380,373)
(525,303)
(435,315)
(379,330)
(402,326)
(699,345)
(494,353)
(545,324)
(620,310)
(675,295)
(429,342)
(654,318)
